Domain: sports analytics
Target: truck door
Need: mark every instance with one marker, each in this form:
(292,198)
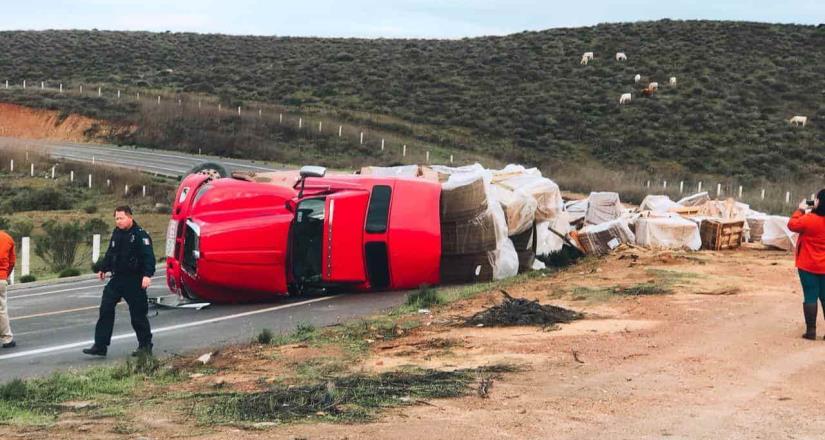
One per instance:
(343,242)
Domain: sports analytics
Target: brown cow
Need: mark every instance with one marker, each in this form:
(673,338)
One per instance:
(648,91)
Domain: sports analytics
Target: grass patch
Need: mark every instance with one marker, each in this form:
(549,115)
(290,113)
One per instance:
(641,289)
(37,401)
(597,294)
(264,337)
(424,297)
(353,398)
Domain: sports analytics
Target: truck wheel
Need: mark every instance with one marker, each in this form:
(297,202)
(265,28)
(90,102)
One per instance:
(211,169)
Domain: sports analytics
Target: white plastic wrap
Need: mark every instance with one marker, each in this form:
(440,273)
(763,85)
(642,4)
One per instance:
(776,233)
(603,238)
(547,241)
(603,207)
(576,209)
(519,209)
(695,199)
(504,258)
(658,203)
(667,232)
(399,171)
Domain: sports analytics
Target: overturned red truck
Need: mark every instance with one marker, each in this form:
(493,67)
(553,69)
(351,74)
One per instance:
(235,240)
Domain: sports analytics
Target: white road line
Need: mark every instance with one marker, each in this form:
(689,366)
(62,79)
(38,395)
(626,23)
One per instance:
(163,329)
(65,290)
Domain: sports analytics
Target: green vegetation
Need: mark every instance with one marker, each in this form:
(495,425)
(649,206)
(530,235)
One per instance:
(423,298)
(522,97)
(38,401)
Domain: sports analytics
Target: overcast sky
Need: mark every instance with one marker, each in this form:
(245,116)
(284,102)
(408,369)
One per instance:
(384,18)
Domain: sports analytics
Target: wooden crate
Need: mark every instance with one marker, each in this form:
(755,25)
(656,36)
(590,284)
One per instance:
(721,234)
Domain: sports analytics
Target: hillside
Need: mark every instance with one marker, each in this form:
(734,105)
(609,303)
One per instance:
(521,96)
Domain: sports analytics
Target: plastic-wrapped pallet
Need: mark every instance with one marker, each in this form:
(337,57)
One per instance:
(756,225)
(399,171)
(463,197)
(519,209)
(775,233)
(603,207)
(469,236)
(667,232)
(659,203)
(576,209)
(603,238)
(531,183)
(504,258)
(697,199)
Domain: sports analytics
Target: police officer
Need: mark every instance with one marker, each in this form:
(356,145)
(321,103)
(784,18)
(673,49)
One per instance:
(131,260)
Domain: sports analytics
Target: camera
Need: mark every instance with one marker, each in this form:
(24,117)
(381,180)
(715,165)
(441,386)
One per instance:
(809,203)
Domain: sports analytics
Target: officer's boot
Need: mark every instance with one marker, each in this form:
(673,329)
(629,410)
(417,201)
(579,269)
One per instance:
(96,350)
(810,310)
(145,350)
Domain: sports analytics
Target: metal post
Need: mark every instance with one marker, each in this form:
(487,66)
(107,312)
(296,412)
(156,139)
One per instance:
(25,250)
(404,151)
(699,188)
(787,197)
(362,138)
(71,176)
(382,144)
(718,189)
(95,247)
(681,186)
(90,180)
(340,127)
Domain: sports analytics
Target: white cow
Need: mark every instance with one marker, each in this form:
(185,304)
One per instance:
(673,80)
(588,55)
(637,78)
(653,86)
(620,56)
(584,60)
(625,98)
(796,120)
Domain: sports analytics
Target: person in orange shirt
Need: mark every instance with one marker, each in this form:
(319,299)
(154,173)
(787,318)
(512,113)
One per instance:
(7,261)
(809,221)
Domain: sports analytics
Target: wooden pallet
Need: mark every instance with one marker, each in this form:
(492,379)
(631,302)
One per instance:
(721,234)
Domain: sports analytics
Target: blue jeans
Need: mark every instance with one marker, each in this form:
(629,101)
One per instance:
(813,287)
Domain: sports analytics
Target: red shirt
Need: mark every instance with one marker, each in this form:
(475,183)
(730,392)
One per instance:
(6,255)
(810,247)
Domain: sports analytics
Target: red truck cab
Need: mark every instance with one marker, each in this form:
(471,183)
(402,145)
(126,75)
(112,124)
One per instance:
(234,240)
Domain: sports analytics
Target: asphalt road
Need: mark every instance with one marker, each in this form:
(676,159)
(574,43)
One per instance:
(52,324)
(160,162)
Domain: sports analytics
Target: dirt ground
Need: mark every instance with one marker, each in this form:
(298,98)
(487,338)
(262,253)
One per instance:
(720,358)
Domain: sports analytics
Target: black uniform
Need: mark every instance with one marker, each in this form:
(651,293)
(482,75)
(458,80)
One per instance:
(130,258)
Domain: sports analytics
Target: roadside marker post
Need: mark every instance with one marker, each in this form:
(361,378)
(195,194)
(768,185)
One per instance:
(25,250)
(95,247)
(681,186)
(71,176)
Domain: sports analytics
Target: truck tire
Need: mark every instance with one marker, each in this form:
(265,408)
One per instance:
(472,268)
(463,202)
(469,237)
(212,169)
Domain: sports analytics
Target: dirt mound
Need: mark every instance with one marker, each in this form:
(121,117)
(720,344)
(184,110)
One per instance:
(520,311)
(24,122)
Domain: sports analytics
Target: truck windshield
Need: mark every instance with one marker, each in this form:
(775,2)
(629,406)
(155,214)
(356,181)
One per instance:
(307,240)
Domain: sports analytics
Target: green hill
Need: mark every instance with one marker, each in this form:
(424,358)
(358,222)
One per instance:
(523,96)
